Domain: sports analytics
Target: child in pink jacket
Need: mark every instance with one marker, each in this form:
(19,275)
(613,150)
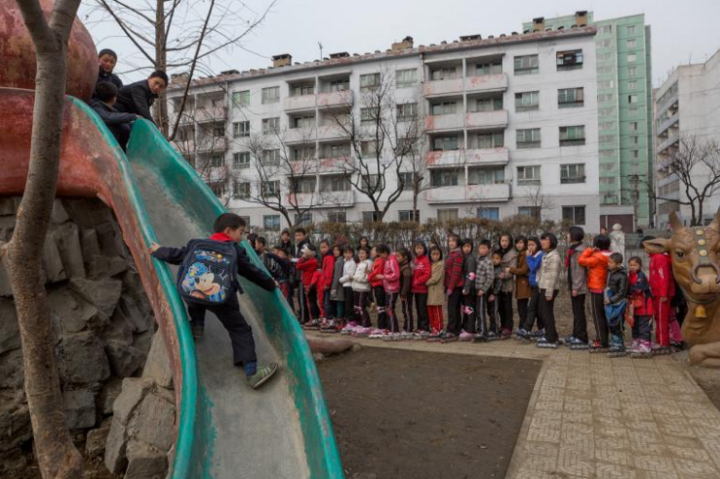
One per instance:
(391,284)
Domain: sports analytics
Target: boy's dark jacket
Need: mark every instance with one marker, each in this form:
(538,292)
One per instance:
(617,284)
(104,76)
(109,115)
(245,267)
(406,278)
(136,98)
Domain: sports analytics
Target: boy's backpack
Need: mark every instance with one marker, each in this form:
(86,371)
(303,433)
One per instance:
(208,273)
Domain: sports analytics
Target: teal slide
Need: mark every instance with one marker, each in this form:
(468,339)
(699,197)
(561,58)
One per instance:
(227,430)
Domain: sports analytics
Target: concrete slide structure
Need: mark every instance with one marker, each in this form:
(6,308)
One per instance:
(225,429)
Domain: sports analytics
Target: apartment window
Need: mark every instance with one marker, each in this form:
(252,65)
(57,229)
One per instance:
(241,160)
(489,213)
(572,135)
(607,125)
(606,139)
(216,161)
(369,81)
(606,85)
(409,215)
(632,85)
(631,43)
(528,138)
(574,214)
(407,111)
(241,190)
(491,140)
(606,70)
(489,68)
(303,185)
(445,108)
(241,129)
(607,153)
(303,89)
(569,60)
(405,78)
(607,181)
(574,173)
(447,214)
(632,71)
(632,57)
(633,111)
(634,126)
(303,122)
(631,29)
(270,126)
(530,211)
(337,217)
(605,43)
(271,222)
(526,65)
(607,111)
(270,95)
(337,151)
(527,101)
(528,175)
(489,104)
(442,178)
(304,219)
(303,153)
(608,56)
(241,98)
(271,157)
(336,183)
(218,130)
(635,140)
(636,154)
(368,115)
(217,187)
(445,143)
(407,147)
(368,149)
(371,183)
(340,85)
(486,176)
(632,99)
(407,179)
(444,74)
(270,188)
(571,97)
(605,29)
(370,216)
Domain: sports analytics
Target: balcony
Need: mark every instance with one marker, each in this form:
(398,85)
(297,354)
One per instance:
(453,121)
(443,87)
(325,199)
(299,135)
(335,99)
(487,120)
(468,194)
(211,144)
(489,157)
(300,103)
(482,83)
(662,127)
(671,102)
(331,132)
(672,140)
(214,113)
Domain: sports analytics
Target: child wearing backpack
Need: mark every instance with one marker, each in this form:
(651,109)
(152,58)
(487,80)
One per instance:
(596,261)
(207,281)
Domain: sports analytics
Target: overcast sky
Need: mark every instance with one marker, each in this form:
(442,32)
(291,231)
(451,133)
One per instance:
(681,30)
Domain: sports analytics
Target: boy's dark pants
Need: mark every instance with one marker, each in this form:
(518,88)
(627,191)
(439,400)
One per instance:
(468,301)
(533,312)
(121,133)
(229,314)
(454,305)
(579,319)
(494,314)
(310,309)
(522,309)
(601,326)
(423,319)
(481,314)
(382,321)
(548,314)
(506,313)
(407,311)
(390,305)
(350,314)
(642,328)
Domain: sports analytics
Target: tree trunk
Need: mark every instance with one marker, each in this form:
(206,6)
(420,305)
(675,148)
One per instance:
(22,257)
(161,114)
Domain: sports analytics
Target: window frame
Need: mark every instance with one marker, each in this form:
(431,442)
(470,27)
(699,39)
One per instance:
(241,160)
(520,103)
(572,139)
(366,85)
(574,219)
(271,125)
(239,132)
(241,98)
(565,174)
(405,83)
(569,59)
(525,180)
(529,67)
(533,143)
(267,98)
(273,226)
(237,194)
(564,100)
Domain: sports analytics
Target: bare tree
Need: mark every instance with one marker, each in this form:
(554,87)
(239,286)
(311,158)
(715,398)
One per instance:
(180,34)
(537,202)
(383,142)
(696,164)
(57,456)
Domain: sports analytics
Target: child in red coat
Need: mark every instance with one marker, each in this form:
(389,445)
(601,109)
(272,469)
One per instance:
(376,283)
(422,270)
(662,286)
(327,310)
(641,303)
(309,274)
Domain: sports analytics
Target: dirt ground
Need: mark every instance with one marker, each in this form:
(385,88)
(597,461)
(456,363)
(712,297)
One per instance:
(407,414)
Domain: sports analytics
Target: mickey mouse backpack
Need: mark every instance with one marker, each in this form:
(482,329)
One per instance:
(208,273)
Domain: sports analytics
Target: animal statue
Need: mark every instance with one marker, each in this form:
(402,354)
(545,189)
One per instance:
(695,255)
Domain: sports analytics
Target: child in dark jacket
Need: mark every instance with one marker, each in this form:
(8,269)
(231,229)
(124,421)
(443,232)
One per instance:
(119,124)
(229,228)
(469,293)
(493,305)
(578,287)
(107,59)
(406,281)
(454,283)
(615,303)
(484,277)
(138,97)
(641,305)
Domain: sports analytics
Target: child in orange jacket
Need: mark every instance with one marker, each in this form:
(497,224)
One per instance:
(596,261)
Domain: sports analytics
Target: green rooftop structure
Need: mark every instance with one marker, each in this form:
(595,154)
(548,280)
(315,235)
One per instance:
(625,146)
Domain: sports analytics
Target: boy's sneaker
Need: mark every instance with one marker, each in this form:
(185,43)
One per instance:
(198,330)
(660,350)
(406,336)
(576,344)
(480,338)
(545,344)
(391,337)
(598,347)
(617,347)
(492,336)
(537,335)
(331,327)
(262,375)
(522,335)
(361,332)
(420,335)
(448,338)
(465,336)
(314,324)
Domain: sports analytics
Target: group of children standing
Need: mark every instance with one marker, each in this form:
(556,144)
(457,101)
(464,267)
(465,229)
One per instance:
(338,285)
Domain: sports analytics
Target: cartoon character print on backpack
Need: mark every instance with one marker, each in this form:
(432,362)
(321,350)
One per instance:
(208,277)
(202,283)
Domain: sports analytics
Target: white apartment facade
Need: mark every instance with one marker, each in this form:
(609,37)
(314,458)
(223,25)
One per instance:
(687,105)
(509,126)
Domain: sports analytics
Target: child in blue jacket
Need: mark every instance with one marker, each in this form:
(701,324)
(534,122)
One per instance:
(534,260)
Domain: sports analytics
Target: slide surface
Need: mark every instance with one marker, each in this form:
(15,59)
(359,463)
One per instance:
(225,429)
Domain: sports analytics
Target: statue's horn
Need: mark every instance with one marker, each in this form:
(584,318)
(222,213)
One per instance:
(675,222)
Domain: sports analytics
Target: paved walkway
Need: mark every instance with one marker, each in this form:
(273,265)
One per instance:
(599,418)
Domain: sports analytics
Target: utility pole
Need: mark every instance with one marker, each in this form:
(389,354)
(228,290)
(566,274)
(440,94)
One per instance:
(321,49)
(635,181)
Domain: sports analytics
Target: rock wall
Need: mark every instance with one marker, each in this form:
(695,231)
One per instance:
(104,329)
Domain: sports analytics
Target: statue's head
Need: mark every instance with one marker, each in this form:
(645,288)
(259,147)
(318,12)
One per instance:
(695,252)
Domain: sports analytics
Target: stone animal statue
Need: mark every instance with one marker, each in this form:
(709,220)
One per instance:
(695,254)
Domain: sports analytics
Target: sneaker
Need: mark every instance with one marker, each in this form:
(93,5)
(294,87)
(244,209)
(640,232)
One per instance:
(642,351)
(480,338)
(492,336)
(406,336)
(545,344)
(569,339)
(522,335)
(198,330)
(597,347)
(377,333)
(262,375)
(635,344)
(361,332)
(505,334)
(435,337)
(421,335)
(314,324)
(448,338)
(660,350)
(349,328)
(331,327)
(537,335)
(391,337)
(465,336)
(576,344)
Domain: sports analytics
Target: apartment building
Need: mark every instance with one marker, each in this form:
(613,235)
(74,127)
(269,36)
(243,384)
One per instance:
(686,111)
(509,125)
(625,114)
